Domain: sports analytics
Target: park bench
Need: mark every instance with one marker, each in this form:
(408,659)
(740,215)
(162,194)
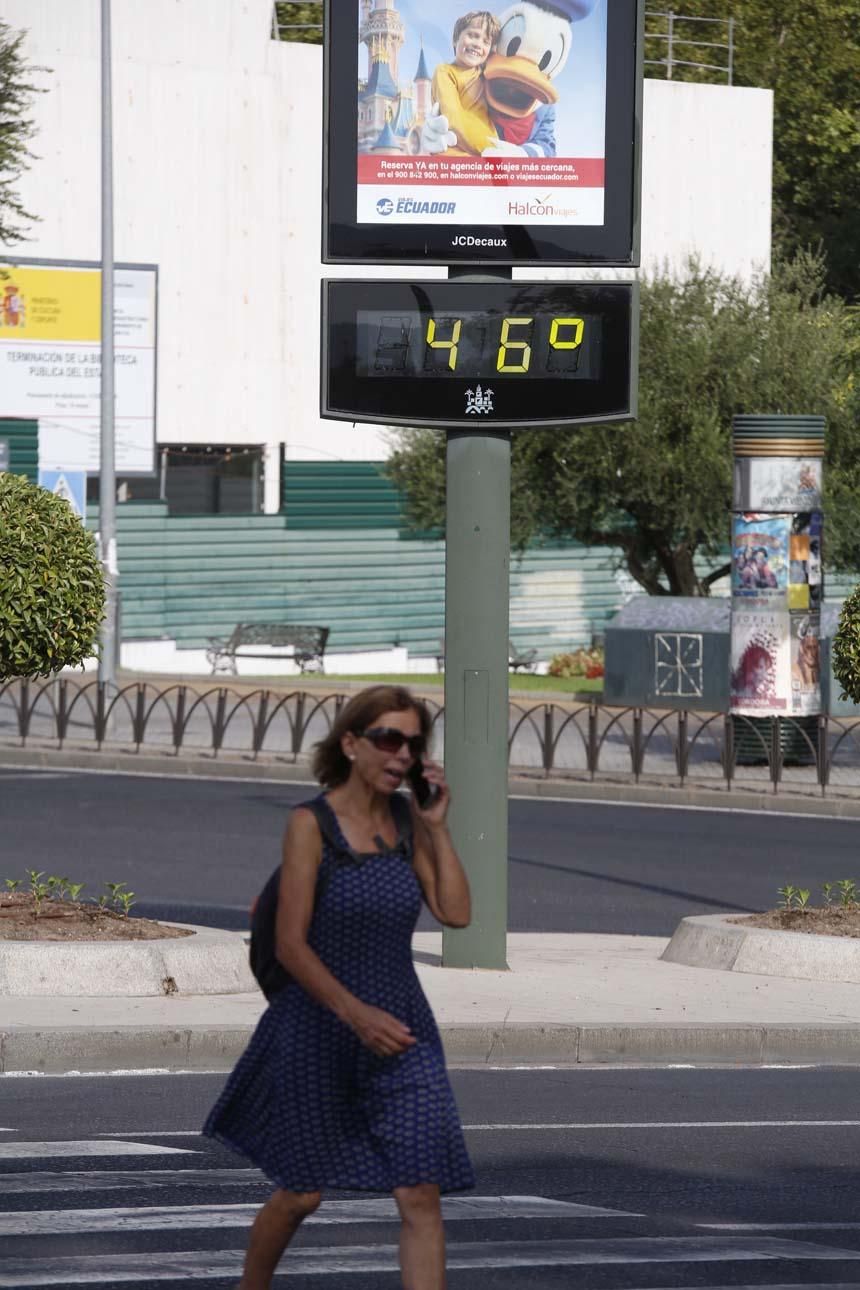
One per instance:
(517,658)
(303,645)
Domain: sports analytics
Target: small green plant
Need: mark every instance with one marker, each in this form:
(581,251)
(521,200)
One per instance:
(827,893)
(847,892)
(787,896)
(38,890)
(125,899)
(56,887)
(119,897)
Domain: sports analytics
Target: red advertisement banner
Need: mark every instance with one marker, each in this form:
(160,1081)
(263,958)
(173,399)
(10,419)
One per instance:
(507,172)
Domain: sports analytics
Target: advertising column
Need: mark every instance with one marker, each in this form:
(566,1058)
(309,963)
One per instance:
(777,578)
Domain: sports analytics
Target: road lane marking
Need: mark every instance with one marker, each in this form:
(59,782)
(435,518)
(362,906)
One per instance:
(264,782)
(42,1150)
(128,1180)
(780,1227)
(190,1217)
(583,1124)
(338,1259)
(671,1124)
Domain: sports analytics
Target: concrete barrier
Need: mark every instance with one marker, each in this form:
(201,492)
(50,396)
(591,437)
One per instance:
(713,941)
(208,962)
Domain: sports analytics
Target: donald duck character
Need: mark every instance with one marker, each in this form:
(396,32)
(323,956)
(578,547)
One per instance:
(532,48)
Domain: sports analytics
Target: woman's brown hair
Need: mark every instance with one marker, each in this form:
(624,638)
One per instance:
(330,764)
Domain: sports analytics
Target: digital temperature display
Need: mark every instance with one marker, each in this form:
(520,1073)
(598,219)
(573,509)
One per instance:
(483,345)
(462,352)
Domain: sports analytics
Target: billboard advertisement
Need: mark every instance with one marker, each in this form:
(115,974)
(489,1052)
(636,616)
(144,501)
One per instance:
(777,483)
(50,364)
(483,135)
(805,664)
(760,663)
(481,117)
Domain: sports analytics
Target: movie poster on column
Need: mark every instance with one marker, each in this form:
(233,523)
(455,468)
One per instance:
(761,663)
(487,122)
(805,664)
(761,559)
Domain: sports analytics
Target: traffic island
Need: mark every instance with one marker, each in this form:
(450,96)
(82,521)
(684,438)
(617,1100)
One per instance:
(734,943)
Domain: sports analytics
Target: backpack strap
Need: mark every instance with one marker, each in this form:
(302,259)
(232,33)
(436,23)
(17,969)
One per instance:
(401,812)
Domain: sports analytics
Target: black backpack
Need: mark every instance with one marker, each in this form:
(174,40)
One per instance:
(270,974)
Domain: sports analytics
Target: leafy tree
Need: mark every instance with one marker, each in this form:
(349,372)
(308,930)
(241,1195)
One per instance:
(51,583)
(660,490)
(299,22)
(16,130)
(809,55)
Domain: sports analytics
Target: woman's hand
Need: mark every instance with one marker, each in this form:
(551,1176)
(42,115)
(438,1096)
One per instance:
(380,1032)
(435,813)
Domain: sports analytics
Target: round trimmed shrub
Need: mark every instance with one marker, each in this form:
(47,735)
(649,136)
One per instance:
(52,590)
(846,648)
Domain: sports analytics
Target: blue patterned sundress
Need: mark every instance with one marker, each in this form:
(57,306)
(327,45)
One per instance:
(307,1102)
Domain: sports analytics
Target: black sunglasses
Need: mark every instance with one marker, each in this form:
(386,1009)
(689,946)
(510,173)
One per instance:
(389,740)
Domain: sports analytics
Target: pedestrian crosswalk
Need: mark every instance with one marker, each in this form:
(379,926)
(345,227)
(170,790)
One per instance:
(56,1231)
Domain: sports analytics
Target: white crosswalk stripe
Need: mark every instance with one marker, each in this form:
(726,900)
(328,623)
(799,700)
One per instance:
(86,1147)
(188,1217)
(41,1249)
(330,1260)
(129,1180)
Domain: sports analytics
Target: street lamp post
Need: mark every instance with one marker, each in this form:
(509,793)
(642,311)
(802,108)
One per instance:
(107,465)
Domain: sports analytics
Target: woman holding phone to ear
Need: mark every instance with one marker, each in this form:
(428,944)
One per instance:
(344,1084)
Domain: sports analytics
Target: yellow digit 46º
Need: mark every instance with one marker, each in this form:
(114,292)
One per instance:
(570,341)
(522,347)
(446,344)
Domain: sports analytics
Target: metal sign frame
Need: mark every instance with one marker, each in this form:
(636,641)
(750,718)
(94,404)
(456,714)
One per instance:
(615,242)
(429,398)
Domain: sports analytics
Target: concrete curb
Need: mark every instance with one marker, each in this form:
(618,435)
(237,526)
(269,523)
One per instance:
(605,790)
(717,941)
(209,962)
(61,1050)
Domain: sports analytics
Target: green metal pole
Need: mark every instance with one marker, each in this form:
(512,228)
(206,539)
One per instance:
(477,564)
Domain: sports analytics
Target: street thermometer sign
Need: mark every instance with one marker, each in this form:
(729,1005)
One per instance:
(481,140)
(461,353)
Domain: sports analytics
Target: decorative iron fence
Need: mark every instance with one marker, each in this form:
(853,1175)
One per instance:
(584,740)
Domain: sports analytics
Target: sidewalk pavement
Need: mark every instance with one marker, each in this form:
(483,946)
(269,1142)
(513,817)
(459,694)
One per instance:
(567,999)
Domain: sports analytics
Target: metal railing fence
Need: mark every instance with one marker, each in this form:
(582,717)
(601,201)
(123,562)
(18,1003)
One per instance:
(681,38)
(545,738)
(679,41)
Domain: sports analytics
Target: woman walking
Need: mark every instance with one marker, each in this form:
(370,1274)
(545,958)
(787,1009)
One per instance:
(343,1084)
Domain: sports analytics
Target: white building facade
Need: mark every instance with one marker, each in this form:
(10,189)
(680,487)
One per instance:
(217,147)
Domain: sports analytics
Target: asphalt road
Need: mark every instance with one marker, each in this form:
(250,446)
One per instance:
(199,851)
(703,1178)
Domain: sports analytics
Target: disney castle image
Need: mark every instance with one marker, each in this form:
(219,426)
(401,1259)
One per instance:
(390,114)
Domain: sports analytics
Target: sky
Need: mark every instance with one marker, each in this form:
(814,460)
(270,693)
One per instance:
(580,112)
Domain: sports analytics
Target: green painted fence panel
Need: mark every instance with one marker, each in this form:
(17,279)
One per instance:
(339,495)
(23,436)
(192,577)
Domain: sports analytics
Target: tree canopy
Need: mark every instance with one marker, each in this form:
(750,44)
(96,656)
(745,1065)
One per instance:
(659,490)
(16,130)
(809,55)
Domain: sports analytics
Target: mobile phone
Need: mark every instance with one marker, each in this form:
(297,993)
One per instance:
(425,793)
